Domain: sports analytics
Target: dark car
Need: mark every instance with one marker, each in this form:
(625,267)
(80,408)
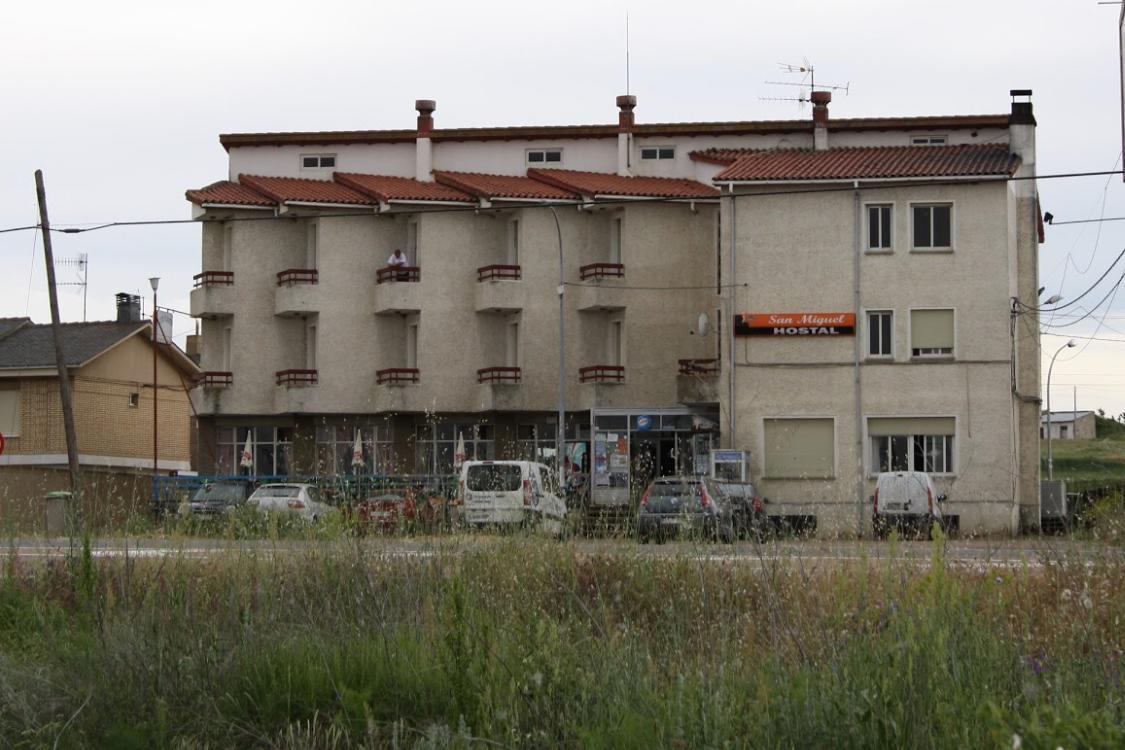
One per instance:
(214,499)
(747,506)
(685,506)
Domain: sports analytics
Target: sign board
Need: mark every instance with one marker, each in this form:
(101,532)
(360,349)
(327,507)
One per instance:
(1,444)
(643,423)
(730,466)
(794,324)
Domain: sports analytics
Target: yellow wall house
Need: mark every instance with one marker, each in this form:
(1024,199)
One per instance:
(111,369)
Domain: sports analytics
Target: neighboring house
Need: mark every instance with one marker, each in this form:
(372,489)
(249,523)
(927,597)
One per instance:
(111,368)
(1068,425)
(904,237)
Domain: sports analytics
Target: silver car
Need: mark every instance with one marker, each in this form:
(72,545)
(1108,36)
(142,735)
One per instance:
(303,499)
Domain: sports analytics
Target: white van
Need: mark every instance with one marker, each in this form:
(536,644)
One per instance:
(511,493)
(907,500)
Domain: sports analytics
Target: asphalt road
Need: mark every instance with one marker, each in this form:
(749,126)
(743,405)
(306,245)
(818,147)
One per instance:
(976,553)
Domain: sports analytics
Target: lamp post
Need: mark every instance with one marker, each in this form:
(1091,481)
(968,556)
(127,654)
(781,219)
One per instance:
(560,438)
(155,282)
(1050,455)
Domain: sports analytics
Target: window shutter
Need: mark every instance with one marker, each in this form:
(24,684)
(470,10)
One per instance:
(799,448)
(883,426)
(931,329)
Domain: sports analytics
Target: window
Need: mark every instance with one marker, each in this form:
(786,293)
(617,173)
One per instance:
(10,411)
(931,333)
(514,242)
(911,444)
(879,232)
(658,152)
(536,442)
(933,225)
(880,328)
(928,140)
(1062,431)
(799,448)
(335,447)
(544,156)
(318,161)
(134,400)
(270,451)
(435,444)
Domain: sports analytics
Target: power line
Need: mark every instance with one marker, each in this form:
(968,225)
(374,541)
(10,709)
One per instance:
(1079,297)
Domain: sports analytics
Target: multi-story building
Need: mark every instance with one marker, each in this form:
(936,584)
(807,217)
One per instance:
(667,242)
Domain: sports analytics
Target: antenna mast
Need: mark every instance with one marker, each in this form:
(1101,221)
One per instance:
(81,263)
(808,81)
(627,89)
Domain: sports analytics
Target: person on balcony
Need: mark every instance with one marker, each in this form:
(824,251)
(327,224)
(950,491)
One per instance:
(398,261)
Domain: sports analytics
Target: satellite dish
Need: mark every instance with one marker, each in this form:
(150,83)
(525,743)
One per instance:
(703,324)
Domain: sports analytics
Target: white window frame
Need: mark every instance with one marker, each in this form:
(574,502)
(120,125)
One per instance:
(867,333)
(929,139)
(320,165)
(658,155)
(867,249)
(805,417)
(872,457)
(544,161)
(952,227)
(910,336)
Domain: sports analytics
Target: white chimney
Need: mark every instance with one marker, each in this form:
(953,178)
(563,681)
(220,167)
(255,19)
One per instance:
(820,100)
(423,147)
(626,103)
(1021,140)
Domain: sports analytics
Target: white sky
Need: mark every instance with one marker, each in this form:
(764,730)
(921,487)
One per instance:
(121,103)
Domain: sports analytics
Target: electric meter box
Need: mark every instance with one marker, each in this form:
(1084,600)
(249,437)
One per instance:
(730,466)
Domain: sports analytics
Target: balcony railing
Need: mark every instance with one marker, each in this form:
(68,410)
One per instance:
(704,367)
(212,278)
(499,273)
(499,375)
(397,376)
(216,379)
(298,276)
(398,273)
(601,374)
(297,377)
(599,271)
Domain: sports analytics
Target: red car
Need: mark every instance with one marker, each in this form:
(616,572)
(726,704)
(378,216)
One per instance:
(388,511)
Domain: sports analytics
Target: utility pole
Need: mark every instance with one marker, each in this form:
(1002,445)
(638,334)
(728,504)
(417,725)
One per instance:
(60,359)
(155,282)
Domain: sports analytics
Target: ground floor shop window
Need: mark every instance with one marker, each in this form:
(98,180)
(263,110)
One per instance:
(270,451)
(912,444)
(335,449)
(436,444)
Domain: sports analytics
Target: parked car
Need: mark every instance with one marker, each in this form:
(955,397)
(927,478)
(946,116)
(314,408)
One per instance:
(387,511)
(905,500)
(511,493)
(214,499)
(303,499)
(747,506)
(681,506)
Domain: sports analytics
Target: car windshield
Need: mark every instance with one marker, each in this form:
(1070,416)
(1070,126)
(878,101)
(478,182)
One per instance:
(219,492)
(278,492)
(674,497)
(493,478)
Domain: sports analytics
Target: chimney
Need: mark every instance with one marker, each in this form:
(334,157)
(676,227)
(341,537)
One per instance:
(423,148)
(128,308)
(820,100)
(193,347)
(626,103)
(1021,131)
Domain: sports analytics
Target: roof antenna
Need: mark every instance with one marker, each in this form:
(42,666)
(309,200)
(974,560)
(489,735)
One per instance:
(808,81)
(627,90)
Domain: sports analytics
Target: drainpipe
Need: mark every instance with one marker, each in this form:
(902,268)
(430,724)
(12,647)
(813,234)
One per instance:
(857,343)
(733,288)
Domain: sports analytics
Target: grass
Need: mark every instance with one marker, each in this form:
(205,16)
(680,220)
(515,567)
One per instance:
(1087,463)
(524,643)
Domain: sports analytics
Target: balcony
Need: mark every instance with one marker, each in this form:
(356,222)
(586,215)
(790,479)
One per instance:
(216,379)
(297,378)
(498,289)
(397,290)
(297,292)
(601,374)
(592,297)
(698,381)
(397,376)
(213,294)
(499,375)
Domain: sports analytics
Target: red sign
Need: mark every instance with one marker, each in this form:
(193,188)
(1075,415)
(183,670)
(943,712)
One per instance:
(794,324)
(1,444)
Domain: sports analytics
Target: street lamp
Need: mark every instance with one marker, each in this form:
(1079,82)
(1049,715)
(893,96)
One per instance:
(154,282)
(560,438)
(1050,455)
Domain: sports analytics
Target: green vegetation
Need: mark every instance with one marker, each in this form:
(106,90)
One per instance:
(1087,463)
(524,643)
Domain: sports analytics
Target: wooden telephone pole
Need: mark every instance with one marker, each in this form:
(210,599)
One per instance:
(60,359)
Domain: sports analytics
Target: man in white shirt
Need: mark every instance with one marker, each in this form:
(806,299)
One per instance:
(398,261)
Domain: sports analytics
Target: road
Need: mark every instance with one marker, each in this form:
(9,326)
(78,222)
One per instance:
(976,553)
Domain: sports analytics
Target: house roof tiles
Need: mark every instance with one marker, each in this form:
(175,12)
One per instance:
(33,346)
(298,190)
(599,183)
(494,186)
(228,193)
(386,189)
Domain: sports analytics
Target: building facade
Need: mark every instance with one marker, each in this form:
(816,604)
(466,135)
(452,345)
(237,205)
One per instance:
(1068,425)
(665,242)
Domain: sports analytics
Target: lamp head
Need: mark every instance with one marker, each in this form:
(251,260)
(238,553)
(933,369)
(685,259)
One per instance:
(1071,344)
(1053,299)
(155,282)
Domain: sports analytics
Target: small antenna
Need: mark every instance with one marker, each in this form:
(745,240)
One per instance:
(808,81)
(627,89)
(81,263)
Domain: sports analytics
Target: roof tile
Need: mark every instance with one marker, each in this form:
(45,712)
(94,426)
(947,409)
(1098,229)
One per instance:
(600,183)
(228,193)
(386,188)
(33,346)
(295,189)
(490,186)
(874,162)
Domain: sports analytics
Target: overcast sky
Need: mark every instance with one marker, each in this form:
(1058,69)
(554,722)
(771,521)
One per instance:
(121,103)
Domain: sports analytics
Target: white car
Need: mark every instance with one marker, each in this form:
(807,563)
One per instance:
(511,493)
(302,499)
(906,500)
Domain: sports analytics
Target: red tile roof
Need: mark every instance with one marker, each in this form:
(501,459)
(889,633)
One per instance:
(876,162)
(227,193)
(287,189)
(387,189)
(490,186)
(600,183)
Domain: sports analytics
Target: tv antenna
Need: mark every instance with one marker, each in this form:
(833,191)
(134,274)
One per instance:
(81,265)
(807,84)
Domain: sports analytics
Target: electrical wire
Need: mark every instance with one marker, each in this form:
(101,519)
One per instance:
(1032,308)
